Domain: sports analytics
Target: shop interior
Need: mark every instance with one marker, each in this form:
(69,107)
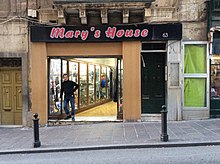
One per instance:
(215,87)
(99,97)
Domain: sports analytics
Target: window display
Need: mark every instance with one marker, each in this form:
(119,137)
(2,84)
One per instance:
(108,82)
(55,85)
(91,84)
(120,82)
(83,84)
(215,87)
(73,75)
(73,71)
(103,83)
(215,78)
(95,83)
(64,66)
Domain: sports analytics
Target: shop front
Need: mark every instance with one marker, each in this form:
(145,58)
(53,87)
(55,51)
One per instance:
(214,74)
(133,59)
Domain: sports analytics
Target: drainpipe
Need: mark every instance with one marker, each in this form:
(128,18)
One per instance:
(211,38)
(212,30)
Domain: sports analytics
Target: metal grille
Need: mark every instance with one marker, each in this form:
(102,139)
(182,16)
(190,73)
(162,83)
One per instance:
(10,62)
(216,5)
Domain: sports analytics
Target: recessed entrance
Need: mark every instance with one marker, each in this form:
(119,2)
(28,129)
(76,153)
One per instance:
(95,100)
(153,77)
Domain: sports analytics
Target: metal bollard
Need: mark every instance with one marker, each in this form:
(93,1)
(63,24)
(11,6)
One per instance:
(164,135)
(36,131)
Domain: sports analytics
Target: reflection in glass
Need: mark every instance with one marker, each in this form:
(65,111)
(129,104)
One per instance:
(73,71)
(215,86)
(103,83)
(91,84)
(55,85)
(64,64)
(83,84)
(120,82)
(97,82)
(108,82)
(73,75)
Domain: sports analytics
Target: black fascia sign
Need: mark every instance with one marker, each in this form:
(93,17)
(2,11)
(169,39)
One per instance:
(140,32)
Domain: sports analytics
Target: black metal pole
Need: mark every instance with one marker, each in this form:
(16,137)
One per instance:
(36,131)
(164,135)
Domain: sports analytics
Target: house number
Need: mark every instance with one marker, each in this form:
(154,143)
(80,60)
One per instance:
(165,35)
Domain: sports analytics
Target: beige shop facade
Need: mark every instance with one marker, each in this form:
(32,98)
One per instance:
(133,44)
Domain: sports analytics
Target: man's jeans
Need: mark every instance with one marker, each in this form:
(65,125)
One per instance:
(72,102)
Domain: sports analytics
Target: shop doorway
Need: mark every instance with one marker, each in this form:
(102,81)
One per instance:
(95,100)
(153,79)
(11,96)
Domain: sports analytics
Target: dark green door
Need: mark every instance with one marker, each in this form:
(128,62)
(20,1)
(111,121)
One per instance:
(153,82)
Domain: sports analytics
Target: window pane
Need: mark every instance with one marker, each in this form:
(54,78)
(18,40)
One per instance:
(174,71)
(64,63)
(55,85)
(215,80)
(103,83)
(83,84)
(98,96)
(73,75)
(194,92)
(195,59)
(91,84)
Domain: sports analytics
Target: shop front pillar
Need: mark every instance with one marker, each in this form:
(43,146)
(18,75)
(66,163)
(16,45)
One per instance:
(39,80)
(131,81)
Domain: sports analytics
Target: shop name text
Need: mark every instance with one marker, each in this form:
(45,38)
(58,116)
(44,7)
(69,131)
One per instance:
(110,32)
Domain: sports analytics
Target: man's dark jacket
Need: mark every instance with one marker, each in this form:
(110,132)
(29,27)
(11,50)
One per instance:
(68,87)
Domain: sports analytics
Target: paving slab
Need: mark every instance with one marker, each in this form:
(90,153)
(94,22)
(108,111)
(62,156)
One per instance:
(106,135)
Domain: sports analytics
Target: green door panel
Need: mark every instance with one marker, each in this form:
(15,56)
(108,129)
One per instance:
(153,82)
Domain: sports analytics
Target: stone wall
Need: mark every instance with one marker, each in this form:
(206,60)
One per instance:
(192,14)
(14,37)
(14,43)
(14,30)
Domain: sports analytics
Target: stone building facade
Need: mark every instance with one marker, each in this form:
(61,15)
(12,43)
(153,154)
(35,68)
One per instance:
(17,16)
(15,102)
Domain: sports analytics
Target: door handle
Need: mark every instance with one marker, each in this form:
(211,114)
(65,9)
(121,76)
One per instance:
(145,97)
(166,73)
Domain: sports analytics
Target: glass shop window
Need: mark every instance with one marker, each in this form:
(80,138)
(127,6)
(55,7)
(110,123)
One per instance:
(215,77)
(195,75)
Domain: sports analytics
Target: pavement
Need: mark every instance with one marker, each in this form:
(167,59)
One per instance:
(79,136)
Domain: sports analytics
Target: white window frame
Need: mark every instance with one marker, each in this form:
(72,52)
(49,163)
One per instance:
(204,75)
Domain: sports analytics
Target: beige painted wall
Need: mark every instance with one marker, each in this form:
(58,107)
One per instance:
(131,69)
(131,81)
(84,49)
(39,81)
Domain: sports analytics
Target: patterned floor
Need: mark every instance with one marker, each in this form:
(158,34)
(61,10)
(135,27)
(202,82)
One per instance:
(107,109)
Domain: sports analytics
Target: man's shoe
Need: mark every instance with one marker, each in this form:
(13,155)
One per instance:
(67,117)
(73,119)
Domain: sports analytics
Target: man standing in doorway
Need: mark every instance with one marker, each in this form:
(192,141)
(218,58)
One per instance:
(68,87)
